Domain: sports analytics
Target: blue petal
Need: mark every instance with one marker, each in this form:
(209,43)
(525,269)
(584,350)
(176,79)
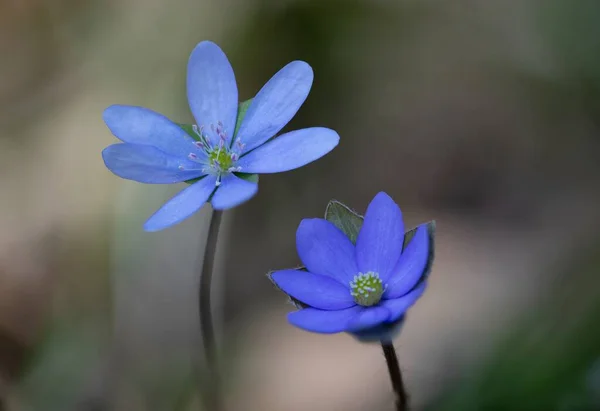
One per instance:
(325,250)
(182,206)
(232,192)
(290,151)
(147,164)
(315,290)
(410,266)
(398,306)
(138,125)
(322,321)
(367,318)
(211,89)
(379,242)
(275,104)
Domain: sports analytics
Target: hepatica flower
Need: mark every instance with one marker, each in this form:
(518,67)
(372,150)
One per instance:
(357,288)
(217,152)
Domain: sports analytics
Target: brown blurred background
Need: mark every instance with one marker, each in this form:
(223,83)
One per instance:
(482,115)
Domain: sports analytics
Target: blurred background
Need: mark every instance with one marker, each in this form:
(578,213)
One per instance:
(482,115)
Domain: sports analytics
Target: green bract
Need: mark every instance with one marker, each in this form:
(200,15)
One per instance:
(350,222)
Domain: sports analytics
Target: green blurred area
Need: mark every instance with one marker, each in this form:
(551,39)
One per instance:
(549,360)
(482,115)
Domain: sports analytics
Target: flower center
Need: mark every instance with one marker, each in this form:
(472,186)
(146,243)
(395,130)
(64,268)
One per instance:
(366,288)
(220,159)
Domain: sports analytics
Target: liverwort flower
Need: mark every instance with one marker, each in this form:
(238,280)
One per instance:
(158,151)
(364,289)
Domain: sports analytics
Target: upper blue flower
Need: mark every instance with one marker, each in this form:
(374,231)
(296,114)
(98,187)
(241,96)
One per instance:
(356,288)
(158,151)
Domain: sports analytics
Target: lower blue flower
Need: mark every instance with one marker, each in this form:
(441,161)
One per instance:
(357,288)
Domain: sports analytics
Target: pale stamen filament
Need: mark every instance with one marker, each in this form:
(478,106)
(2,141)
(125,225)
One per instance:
(220,159)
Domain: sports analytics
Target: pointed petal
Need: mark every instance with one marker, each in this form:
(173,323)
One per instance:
(321,321)
(138,125)
(211,88)
(325,250)
(290,151)
(182,206)
(367,318)
(398,306)
(315,290)
(410,266)
(275,104)
(379,242)
(232,192)
(147,164)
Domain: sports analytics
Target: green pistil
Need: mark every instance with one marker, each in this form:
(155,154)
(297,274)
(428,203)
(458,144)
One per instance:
(366,289)
(220,159)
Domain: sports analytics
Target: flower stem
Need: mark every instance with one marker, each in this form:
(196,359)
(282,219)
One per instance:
(395,376)
(212,394)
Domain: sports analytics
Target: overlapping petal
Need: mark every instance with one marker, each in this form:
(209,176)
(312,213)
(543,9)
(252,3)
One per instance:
(289,151)
(182,205)
(315,290)
(138,125)
(211,88)
(379,242)
(368,317)
(275,104)
(325,250)
(410,266)
(147,164)
(323,321)
(398,306)
(232,192)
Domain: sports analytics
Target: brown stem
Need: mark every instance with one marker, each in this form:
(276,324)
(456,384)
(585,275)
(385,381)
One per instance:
(395,376)
(212,394)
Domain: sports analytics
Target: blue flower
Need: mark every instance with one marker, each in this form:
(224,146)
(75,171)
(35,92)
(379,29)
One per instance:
(359,288)
(156,150)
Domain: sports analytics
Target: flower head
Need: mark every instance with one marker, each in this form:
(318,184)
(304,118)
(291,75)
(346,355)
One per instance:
(357,288)
(158,151)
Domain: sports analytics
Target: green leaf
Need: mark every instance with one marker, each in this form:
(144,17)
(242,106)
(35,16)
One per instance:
(344,218)
(194,180)
(297,303)
(242,109)
(350,223)
(188,128)
(253,178)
